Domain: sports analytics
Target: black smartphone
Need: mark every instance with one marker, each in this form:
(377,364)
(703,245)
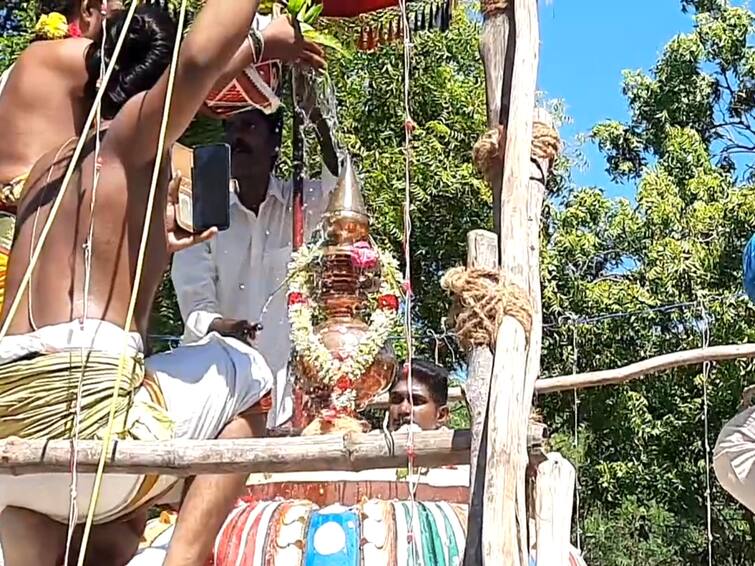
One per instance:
(206,202)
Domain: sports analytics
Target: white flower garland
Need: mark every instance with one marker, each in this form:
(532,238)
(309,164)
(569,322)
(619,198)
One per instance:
(309,346)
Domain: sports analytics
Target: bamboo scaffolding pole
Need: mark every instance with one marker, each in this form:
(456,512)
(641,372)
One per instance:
(645,367)
(181,458)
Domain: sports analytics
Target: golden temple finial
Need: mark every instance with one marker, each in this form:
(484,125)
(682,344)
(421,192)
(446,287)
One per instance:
(346,198)
(345,220)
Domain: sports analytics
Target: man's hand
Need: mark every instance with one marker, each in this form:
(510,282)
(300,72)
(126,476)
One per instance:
(240,329)
(747,396)
(178,238)
(283,43)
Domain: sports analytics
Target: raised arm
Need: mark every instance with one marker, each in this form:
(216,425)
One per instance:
(280,43)
(216,35)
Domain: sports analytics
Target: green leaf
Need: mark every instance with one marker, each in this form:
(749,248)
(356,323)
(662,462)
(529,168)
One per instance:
(324,39)
(312,13)
(266,7)
(295,6)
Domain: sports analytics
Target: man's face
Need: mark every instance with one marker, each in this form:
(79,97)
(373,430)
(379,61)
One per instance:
(427,414)
(253,142)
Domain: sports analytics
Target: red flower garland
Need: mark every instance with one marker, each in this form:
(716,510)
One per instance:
(344,383)
(74,30)
(296,299)
(388,302)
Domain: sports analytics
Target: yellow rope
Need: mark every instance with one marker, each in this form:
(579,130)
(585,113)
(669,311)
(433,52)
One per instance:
(137,281)
(493,7)
(489,151)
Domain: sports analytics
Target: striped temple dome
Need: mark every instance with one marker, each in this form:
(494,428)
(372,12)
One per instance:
(298,533)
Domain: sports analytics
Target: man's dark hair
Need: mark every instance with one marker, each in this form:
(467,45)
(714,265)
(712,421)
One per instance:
(146,53)
(434,377)
(68,8)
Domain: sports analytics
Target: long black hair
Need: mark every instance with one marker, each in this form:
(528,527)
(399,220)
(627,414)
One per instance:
(68,8)
(145,55)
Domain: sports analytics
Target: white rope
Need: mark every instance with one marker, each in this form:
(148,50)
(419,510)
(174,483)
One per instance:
(704,328)
(413,482)
(576,440)
(136,283)
(73,507)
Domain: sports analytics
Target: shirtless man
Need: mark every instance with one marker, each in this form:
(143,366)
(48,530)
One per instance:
(206,390)
(35,119)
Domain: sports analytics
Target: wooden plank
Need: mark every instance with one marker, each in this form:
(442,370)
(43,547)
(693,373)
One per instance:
(183,458)
(554,496)
(645,367)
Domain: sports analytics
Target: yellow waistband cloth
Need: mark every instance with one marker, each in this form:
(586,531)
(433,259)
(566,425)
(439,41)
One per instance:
(38,398)
(10,193)
(38,401)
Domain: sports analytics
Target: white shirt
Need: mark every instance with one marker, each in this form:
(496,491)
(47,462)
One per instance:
(234,274)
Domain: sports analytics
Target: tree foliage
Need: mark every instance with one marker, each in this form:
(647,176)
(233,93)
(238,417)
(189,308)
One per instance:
(641,446)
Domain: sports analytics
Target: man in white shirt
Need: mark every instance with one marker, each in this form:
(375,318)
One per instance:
(223,285)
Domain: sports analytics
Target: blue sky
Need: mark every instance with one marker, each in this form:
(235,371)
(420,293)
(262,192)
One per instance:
(585,45)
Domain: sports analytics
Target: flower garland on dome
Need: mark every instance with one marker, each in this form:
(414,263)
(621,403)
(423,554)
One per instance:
(341,372)
(55,26)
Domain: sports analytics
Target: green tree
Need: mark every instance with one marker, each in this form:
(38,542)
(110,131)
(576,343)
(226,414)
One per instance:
(687,148)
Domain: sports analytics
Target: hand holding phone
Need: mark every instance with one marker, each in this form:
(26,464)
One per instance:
(176,237)
(203,198)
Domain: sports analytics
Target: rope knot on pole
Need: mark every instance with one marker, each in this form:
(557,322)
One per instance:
(482,298)
(489,151)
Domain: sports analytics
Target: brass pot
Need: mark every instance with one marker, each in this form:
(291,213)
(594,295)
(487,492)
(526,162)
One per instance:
(341,335)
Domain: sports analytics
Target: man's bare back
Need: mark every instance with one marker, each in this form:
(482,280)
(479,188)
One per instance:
(42,103)
(57,286)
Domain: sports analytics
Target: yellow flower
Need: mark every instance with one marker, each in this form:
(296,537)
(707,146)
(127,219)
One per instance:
(52,26)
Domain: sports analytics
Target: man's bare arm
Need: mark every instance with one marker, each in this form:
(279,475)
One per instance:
(216,35)
(281,43)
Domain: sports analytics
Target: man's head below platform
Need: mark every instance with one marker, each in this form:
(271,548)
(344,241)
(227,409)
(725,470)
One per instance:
(428,394)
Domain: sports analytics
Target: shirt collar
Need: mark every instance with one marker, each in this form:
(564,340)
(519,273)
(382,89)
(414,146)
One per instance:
(275,189)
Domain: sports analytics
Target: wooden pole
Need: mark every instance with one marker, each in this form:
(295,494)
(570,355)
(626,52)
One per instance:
(645,367)
(297,221)
(540,166)
(554,493)
(497,51)
(509,406)
(352,452)
(482,252)
(497,58)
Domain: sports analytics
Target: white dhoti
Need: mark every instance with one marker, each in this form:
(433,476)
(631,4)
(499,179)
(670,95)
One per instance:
(203,387)
(734,458)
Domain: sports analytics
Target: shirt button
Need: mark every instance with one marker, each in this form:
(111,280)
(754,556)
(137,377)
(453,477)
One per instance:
(242,286)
